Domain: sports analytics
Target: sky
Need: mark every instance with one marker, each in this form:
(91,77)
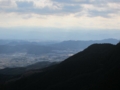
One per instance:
(59,19)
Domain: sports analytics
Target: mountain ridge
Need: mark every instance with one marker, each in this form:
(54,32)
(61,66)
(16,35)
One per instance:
(86,70)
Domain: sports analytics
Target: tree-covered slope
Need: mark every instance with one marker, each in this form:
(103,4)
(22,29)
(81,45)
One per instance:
(95,68)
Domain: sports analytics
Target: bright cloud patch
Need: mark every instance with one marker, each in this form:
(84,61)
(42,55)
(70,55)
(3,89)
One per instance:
(103,14)
(46,4)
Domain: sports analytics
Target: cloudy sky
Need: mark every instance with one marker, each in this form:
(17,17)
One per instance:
(59,19)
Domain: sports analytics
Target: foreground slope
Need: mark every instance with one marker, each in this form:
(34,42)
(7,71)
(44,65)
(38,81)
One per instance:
(16,72)
(95,68)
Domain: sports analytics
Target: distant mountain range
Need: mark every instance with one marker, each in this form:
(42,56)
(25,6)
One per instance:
(8,47)
(95,68)
(72,44)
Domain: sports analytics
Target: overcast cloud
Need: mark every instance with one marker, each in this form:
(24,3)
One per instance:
(61,6)
(62,14)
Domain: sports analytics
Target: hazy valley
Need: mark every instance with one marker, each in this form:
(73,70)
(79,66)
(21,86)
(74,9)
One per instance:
(15,53)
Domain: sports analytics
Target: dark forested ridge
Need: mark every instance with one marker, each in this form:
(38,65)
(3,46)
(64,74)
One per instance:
(16,72)
(95,68)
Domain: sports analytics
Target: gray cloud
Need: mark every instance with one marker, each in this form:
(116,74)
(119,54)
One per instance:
(70,8)
(67,7)
(86,1)
(113,0)
(5,3)
(24,4)
(73,1)
(94,13)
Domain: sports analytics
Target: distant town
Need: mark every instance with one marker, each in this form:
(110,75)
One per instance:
(15,53)
(24,59)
